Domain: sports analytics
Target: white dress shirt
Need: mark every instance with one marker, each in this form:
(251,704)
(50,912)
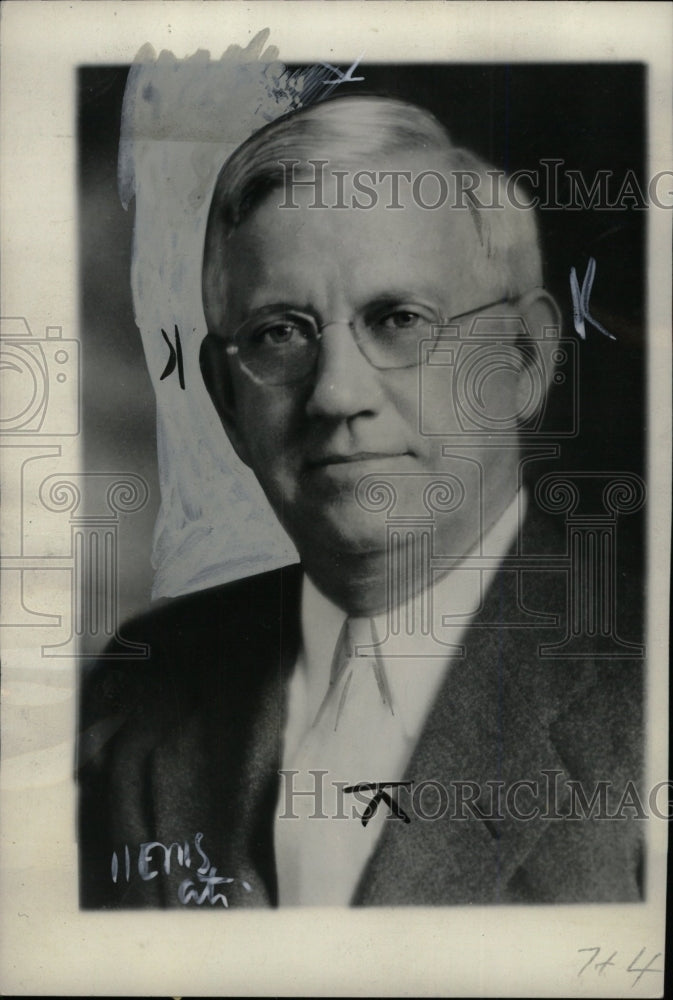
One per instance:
(319,861)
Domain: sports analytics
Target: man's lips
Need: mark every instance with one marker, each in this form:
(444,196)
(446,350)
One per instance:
(323,461)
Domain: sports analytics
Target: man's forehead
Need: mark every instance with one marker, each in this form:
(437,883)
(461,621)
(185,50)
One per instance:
(414,193)
(283,253)
(396,180)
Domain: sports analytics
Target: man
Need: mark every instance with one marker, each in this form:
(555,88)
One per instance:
(344,732)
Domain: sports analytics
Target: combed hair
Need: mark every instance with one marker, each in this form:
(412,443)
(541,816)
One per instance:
(352,133)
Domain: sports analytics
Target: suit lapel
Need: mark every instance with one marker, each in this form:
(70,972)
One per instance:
(492,722)
(259,759)
(219,777)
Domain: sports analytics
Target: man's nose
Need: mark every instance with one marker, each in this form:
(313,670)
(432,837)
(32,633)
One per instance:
(346,384)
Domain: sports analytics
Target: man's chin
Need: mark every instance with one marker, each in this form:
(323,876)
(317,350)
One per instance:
(340,529)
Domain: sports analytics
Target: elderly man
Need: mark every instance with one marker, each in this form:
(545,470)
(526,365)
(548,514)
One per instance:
(379,725)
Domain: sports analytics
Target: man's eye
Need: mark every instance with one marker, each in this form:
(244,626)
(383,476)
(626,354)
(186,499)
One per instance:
(401,319)
(278,334)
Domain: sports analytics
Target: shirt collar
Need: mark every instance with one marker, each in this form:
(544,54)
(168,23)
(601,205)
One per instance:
(460,590)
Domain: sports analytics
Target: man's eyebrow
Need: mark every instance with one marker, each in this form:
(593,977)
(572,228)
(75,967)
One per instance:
(281,306)
(400,295)
(380,300)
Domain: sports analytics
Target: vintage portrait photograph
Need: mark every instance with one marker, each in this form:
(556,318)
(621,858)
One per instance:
(340,512)
(390,340)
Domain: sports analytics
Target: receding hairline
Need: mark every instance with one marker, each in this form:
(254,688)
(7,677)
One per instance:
(347,131)
(357,132)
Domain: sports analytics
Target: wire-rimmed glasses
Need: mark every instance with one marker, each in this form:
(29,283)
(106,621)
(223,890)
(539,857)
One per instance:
(281,346)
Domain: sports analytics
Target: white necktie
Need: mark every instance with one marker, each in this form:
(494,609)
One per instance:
(354,657)
(349,740)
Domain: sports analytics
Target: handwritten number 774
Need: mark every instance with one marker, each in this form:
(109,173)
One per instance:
(601,966)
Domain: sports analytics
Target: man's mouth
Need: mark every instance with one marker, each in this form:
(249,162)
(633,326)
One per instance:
(323,461)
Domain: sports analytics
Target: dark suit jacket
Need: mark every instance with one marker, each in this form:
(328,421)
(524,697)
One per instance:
(190,741)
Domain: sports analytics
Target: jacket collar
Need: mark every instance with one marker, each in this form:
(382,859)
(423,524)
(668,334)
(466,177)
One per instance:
(492,722)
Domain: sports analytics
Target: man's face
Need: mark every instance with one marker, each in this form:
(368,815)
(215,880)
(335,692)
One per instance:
(310,443)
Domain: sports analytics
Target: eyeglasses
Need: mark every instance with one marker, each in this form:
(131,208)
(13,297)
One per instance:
(281,347)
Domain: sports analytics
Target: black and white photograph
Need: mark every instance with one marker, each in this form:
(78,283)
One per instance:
(337,542)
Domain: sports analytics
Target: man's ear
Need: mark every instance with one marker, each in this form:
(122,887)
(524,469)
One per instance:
(217,379)
(540,313)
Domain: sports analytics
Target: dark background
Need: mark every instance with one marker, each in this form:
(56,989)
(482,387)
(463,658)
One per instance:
(591,116)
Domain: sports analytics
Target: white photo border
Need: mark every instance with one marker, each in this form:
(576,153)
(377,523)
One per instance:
(48,945)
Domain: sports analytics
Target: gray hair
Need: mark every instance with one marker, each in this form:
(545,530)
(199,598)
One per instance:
(350,131)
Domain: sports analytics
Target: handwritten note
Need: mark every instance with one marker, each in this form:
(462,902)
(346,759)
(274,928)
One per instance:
(174,358)
(346,77)
(198,888)
(581,301)
(599,960)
